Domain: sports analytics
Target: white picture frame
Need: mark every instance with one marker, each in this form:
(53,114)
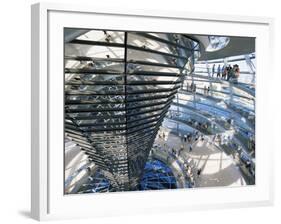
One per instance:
(47,198)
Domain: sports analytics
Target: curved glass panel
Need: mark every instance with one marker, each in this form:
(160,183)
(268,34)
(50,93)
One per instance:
(217,43)
(157,176)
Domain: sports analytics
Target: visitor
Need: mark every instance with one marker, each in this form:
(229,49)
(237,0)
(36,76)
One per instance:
(191,87)
(219,139)
(181,149)
(159,135)
(213,70)
(223,72)
(189,137)
(230,73)
(202,137)
(89,169)
(190,148)
(236,72)
(205,90)
(219,72)
(199,172)
(227,72)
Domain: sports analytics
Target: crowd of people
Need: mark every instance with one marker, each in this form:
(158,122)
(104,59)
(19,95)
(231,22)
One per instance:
(226,72)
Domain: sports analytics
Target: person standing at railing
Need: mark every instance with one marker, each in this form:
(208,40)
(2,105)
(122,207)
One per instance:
(219,72)
(191,87)
(223,72)
(236,70)
(230,73)
(226,72)
(213,70)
